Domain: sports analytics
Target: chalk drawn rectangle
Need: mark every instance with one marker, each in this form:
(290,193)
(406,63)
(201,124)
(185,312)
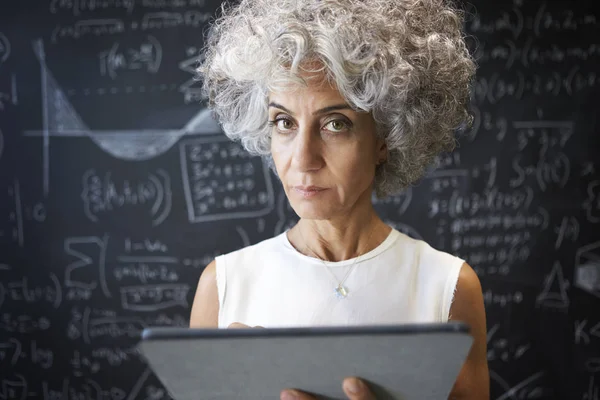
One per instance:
(213,169)
(154,297)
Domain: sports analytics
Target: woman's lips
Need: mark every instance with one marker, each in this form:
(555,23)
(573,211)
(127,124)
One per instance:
(309,191)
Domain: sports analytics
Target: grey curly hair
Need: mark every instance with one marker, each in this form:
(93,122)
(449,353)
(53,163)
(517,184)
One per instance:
(404,61)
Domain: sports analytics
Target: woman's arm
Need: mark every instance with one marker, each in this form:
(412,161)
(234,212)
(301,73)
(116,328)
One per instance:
(473,382)
(205,309)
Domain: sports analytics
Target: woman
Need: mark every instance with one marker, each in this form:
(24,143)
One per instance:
(342,98)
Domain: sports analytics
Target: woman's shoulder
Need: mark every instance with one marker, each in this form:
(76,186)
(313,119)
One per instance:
(427,253)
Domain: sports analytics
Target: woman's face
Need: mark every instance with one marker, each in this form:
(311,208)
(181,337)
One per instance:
(325,153)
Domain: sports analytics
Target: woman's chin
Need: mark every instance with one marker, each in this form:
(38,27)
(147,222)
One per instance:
(312,210)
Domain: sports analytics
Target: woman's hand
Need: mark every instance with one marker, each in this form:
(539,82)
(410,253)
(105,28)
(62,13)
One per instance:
(354,388)
(237,325)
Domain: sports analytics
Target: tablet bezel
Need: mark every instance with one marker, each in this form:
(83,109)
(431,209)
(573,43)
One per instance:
(167,333)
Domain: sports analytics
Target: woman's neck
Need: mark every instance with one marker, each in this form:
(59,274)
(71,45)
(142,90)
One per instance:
(341,238)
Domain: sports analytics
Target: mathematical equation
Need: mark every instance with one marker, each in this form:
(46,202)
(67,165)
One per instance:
(13,351)
(514,22)
(517,84)
(102,194)
(16,387)
(94,28)
(529,54)
(148,56)
(93,325)
(92,6)
(26,290)
(494,200)
(222,181)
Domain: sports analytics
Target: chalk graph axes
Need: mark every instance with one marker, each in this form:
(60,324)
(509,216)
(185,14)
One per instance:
(59,118)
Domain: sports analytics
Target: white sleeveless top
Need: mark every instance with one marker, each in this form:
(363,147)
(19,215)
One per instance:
(271,284)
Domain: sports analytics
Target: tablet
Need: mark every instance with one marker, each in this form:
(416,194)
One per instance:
(399,362)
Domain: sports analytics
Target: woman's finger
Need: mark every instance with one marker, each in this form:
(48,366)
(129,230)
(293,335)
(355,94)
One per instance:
(357,389)
(237,325)
(292,394)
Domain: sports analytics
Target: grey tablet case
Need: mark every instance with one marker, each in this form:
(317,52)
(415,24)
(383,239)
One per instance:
(400,362)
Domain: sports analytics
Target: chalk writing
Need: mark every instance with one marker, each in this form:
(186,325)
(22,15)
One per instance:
(492,89)
(489,200)
(488,125)
(89,268)
(19,213)
(89,389)
(503,349)
(502,299)
(592,364)
(539,219)
(222,181)
(23,290)
(101,194)
(543,20)
(192,88)
(553,166)
(568,229)
(159,20)
(84,27)
(145,245)
(14,352)
(400,201)
(148,56)
(593,391)
(165,20)
(23,323)
(507,239)
(5,48)
(146,269)
(591,205)
(90,6)
(101,357)
(585,332)
(154,297)
(15,387)
(78,363)
(525,389)
(9,95)
(63,120)
(94,325)
(531,54)
(78,7)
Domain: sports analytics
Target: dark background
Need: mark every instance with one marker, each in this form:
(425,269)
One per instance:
(106,222)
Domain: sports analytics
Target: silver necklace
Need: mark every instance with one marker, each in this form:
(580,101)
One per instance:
(340,290)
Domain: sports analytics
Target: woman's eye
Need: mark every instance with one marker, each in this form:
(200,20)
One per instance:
(337,125)
(334,126)
(282,124)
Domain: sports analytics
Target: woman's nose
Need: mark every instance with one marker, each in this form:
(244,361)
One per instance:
(307,150)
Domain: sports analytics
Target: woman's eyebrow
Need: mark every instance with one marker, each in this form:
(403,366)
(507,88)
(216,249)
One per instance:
(320,111)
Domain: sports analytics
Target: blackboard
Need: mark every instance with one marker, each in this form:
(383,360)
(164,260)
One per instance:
(117,188)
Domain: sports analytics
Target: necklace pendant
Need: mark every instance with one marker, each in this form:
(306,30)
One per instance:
(341,292)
